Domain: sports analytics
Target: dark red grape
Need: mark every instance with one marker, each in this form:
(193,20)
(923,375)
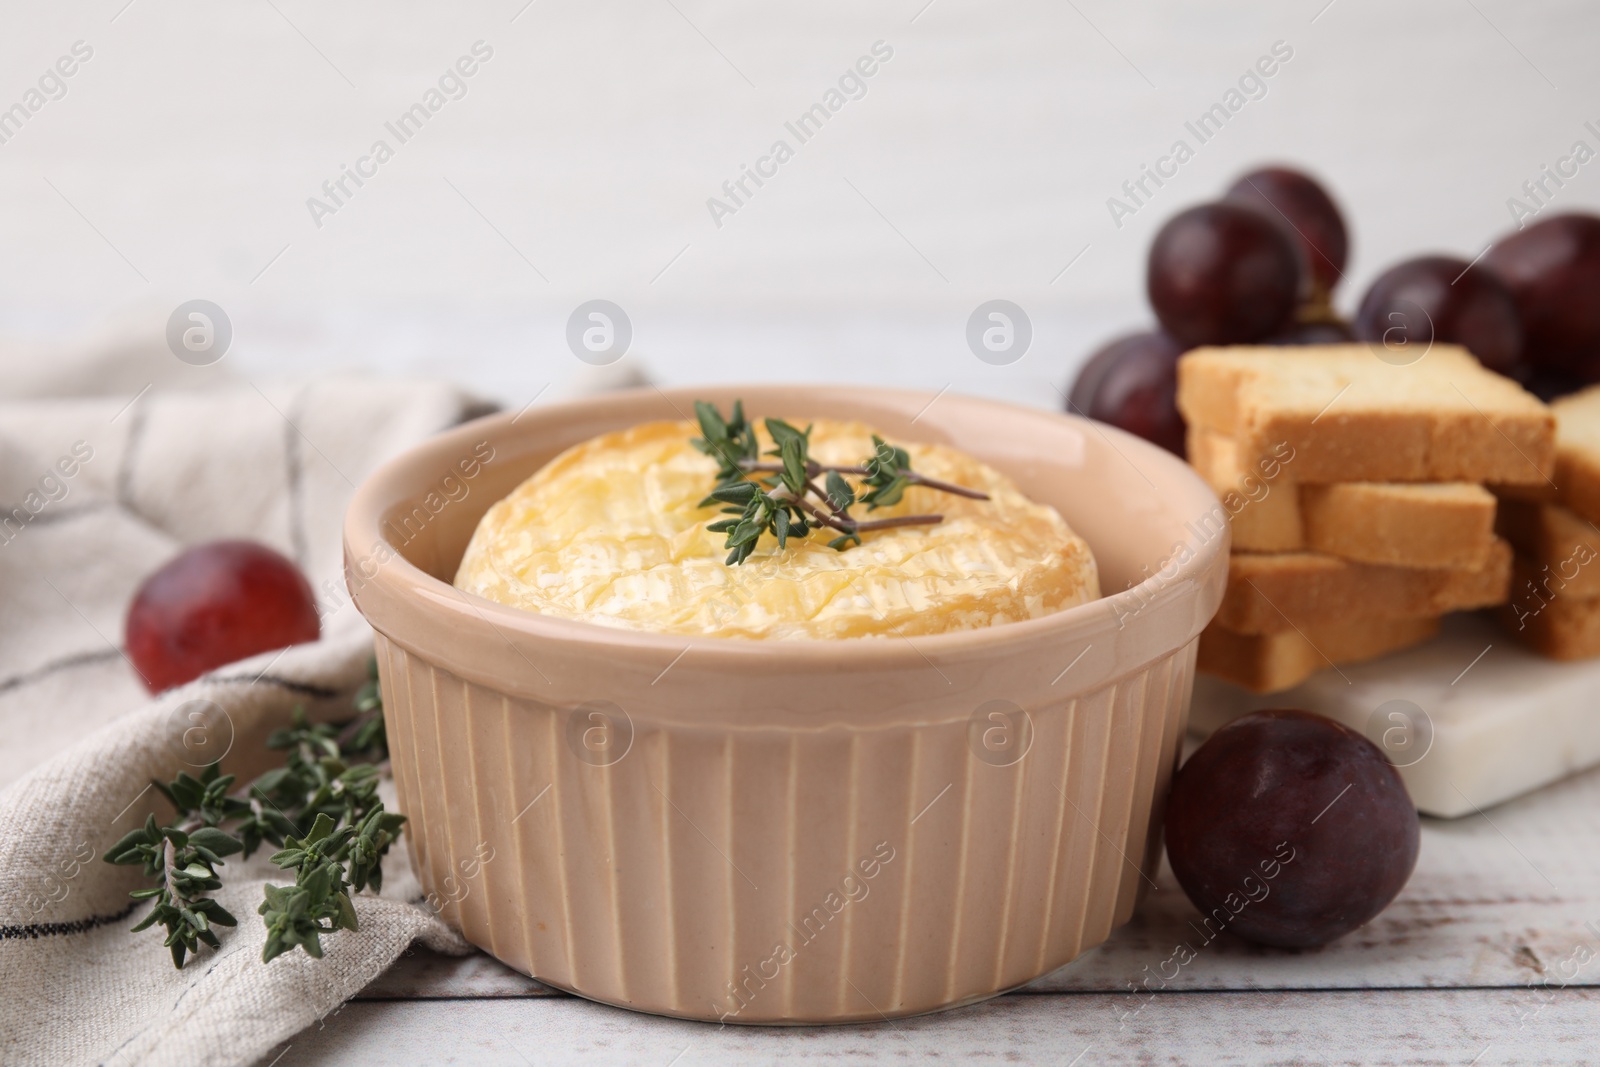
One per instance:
(1289,829)
(213,604)
(1132,383)
(1315,332)
(1553,271)
(1222,274)
(1549,384)
(1080,398)
(1297,202)
(1442,298)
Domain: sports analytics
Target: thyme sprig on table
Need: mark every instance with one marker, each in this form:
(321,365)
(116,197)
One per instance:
(321,808)
(787,502)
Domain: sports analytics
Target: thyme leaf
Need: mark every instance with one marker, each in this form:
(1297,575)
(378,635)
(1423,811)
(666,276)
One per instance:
(780,497)
(320,808)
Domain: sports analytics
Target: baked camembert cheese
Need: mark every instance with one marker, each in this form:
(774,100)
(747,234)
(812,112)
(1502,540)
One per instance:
(611,532)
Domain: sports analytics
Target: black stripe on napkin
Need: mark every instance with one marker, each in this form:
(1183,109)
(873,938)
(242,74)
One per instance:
(34,931)
(82,659)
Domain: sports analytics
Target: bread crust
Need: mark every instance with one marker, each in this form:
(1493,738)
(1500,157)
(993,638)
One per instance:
(1271,663)
(1262,505)
(1549,617)
(1554,541)
(1403,524)
(1270,593)
(1577,475)
(1350,416)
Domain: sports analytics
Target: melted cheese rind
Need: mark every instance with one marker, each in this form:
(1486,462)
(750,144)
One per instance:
(610,532)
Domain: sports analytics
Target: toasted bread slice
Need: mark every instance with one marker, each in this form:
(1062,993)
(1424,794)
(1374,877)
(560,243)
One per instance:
(1269,663)
(1542,493)
(1272,593)
(1555,542)
(1578,452)
(1349,416)
(1544,614)
(1402,524)
(1262,507)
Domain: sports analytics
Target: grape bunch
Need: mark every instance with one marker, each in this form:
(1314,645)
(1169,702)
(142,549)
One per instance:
(1260,266)
(1552,270)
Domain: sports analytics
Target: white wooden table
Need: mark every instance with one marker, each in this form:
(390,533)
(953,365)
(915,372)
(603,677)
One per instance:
(1491,955)
(979,167)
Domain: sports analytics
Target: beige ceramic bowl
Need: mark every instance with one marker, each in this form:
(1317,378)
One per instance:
(788,832)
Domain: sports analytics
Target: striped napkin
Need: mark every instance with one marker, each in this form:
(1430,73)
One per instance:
(112,458)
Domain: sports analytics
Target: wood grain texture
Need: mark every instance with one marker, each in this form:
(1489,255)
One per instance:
(1454,1026)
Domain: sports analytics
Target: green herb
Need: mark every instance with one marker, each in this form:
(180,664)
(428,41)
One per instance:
(321,809)
(788,502)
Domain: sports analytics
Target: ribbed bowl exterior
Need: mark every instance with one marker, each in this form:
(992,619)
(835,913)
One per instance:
(808,831)
(776,875)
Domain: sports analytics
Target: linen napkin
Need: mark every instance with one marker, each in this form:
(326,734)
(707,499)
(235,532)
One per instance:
(110,465)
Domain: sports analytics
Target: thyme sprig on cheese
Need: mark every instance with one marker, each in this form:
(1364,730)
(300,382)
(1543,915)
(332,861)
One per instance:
(781,496)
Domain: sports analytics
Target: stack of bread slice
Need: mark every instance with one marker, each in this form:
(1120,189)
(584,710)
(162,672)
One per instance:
(1355,491)
(1555,527)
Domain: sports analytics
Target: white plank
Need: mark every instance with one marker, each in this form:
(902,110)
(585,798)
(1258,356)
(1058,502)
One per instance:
(1483,1026)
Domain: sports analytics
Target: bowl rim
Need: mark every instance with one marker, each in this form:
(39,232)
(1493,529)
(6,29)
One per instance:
(376,496)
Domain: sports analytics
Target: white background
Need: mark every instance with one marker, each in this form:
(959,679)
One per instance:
(977,166)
